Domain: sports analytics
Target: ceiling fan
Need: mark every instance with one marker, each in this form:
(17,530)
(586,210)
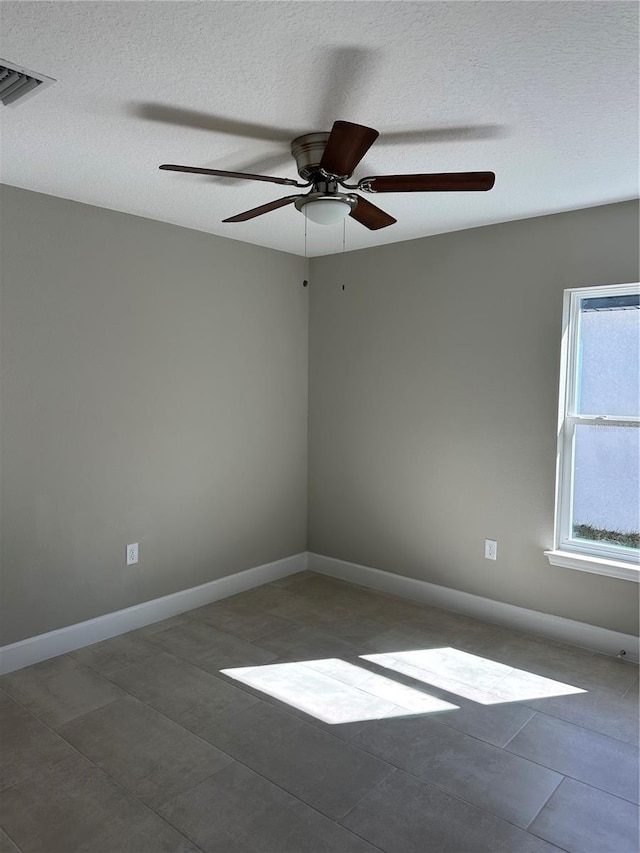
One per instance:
(326,161)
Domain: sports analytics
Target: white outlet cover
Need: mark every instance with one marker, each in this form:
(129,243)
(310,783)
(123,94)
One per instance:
(132,554)
(490,549)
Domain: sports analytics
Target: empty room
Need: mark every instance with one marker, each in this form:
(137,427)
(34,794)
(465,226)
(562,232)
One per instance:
(319,426)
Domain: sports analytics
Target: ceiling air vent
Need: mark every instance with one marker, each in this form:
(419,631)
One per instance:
(16,82)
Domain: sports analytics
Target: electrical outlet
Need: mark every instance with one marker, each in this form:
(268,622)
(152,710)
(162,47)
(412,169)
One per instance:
(132,554)
(491,549)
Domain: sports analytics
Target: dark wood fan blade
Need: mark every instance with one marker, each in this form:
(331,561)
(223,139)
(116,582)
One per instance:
(346,146)
(447,182)
(289,182)
(370,216)
(264,208)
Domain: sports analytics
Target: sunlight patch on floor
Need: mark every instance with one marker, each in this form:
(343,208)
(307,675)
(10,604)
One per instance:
(335,691)
(479,679)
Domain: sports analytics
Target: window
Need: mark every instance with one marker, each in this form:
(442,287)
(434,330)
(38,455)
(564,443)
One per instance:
(597,526)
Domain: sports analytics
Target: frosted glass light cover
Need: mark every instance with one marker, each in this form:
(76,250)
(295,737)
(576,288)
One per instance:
(327,211)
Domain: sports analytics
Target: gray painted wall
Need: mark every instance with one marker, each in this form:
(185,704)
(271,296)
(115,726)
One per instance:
(433,406)
(154,390)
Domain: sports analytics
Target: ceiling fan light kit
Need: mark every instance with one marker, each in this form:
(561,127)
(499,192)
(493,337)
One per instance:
(326,209)
(325,161)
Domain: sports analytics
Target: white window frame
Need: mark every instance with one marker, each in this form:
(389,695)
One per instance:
(569,552)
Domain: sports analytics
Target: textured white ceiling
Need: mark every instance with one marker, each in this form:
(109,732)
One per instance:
(551,89)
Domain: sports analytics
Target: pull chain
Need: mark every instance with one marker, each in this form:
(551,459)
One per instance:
(344,227)
(305,235)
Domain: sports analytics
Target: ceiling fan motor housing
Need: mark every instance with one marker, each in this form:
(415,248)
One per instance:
(307,151)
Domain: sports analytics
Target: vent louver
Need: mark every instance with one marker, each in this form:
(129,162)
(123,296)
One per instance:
(16,82)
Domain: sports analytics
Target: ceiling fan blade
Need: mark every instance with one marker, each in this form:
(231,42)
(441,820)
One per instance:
(290,182)
(346,146)
(261,164)
(442,183)
(370,216)
(264,208)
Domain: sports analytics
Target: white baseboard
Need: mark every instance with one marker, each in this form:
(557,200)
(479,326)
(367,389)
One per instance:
(590,637)
(45,646)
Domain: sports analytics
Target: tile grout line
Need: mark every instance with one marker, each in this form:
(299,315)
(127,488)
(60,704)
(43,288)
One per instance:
(568,775)
(554,843)
(53,732)
(546,802)
(269,782)
(375,788)
(580,726)
(84,713)
(441,788)
(580,781)
(100,769)
(95,764)
(257,773)
(522,704)
(133,795)
(106,772)
(13,841)
(526,723)
(474,805)
(232,758)
(26,710)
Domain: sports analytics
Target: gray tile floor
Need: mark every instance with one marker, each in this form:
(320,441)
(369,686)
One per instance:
(142,744)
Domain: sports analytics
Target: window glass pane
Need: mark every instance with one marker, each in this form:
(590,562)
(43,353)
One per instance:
(609,358)
(606,501)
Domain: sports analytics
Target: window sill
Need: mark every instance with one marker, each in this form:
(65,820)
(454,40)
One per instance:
(595,565)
